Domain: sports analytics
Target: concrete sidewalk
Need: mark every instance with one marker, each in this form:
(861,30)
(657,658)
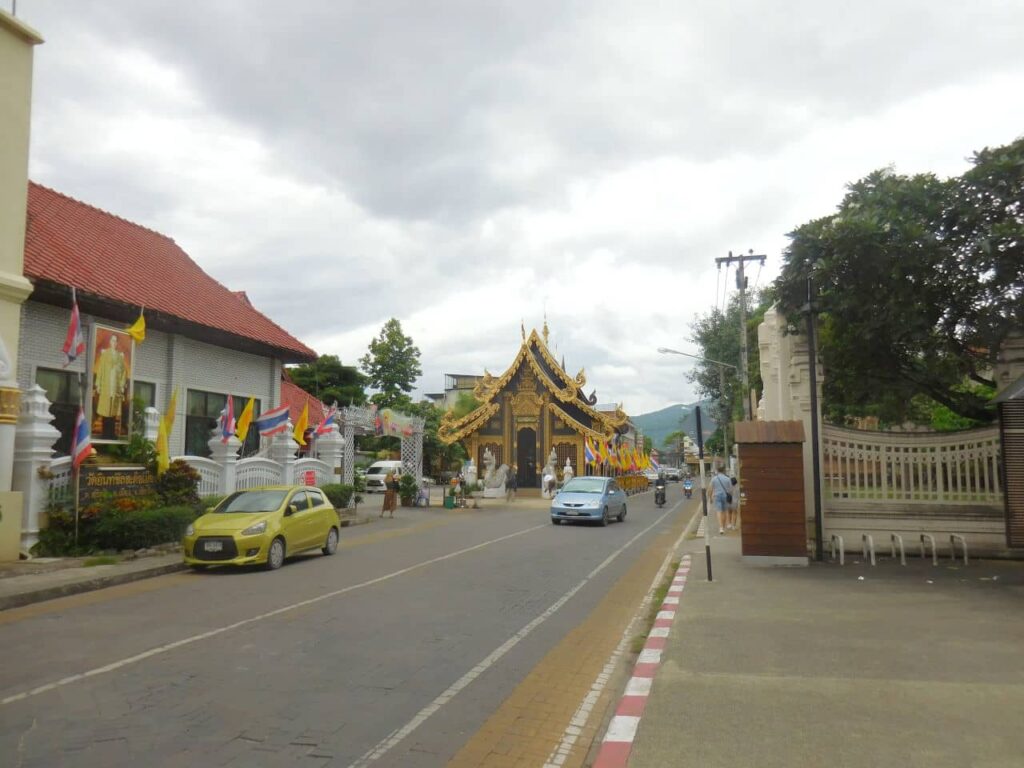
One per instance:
(840,666)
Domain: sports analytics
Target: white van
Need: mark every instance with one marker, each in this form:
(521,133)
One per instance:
(378,471)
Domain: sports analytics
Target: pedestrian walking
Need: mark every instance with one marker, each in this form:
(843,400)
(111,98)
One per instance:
(721,493)
(390,495)
(510,485)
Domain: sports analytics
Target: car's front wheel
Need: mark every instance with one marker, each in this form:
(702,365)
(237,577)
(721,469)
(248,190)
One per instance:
(275,555)
(622,514)
(604,517)
(332,542)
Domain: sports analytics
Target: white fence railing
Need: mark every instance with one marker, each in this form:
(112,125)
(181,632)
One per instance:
(209,473)
(256,471)
(62,481)
(324,474)
(956,468)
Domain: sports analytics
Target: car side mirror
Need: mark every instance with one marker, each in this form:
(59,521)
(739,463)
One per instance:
(292,510)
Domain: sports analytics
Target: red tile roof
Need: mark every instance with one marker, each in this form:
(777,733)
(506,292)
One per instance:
(295,398)
(74,244)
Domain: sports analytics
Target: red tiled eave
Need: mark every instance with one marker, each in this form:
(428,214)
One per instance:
(296,398)
(71,243)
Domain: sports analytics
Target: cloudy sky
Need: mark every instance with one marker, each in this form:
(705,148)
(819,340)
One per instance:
(465,165)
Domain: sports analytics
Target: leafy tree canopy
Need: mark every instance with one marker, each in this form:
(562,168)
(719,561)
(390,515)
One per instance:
(392,366)
(919,280)
(330,381)
(465,404)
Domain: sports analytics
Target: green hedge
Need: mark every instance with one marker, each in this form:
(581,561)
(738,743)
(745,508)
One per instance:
(113,529)
(339,494)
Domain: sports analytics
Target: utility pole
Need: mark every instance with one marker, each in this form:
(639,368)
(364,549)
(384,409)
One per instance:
(741,285)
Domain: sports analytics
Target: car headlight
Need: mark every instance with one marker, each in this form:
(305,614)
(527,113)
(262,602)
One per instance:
(255,528)
(593,503)
(190,530)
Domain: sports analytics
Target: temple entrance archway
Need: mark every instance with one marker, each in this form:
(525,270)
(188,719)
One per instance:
(526,458)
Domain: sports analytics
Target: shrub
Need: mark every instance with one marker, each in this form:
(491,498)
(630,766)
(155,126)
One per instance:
(339,494)
(143,528)
(208,502)
(407,488)
(178,485)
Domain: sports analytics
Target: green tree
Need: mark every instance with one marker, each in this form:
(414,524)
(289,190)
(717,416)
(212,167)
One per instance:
(330,381)
(648,444)
(437,456)
(392,366)
(465,404)
(918,282)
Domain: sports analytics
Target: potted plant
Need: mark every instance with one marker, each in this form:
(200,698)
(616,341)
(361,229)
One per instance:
(407,489)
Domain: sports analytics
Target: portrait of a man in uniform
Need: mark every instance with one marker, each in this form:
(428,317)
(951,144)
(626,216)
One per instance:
(111,384)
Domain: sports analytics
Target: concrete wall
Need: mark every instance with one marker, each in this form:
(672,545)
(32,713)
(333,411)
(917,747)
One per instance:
(163,359)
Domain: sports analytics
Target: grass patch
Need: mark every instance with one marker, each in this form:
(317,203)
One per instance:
(652,610)
(100,560)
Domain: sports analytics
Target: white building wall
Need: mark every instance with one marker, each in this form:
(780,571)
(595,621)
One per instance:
(164,359)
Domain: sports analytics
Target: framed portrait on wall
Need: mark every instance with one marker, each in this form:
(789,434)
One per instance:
(111,361)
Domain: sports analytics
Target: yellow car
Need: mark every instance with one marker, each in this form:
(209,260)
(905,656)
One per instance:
(263,526)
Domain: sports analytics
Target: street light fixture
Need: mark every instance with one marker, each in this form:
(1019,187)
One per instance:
(721,379)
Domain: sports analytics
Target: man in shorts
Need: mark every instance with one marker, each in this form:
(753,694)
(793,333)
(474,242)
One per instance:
(721,489)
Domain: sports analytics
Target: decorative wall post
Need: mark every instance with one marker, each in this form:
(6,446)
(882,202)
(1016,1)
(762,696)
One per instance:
(226,456)
(348,473)
(282,450)
(33,450)
(152,419)
(331,448)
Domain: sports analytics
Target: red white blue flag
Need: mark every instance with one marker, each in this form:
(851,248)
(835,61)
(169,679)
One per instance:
(74,344)
(227,421)
(272,422)
(327,424)
(81,443)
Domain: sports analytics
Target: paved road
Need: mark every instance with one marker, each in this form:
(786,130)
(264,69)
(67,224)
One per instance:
(396,652)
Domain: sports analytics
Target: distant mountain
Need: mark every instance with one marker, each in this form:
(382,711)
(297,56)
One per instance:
(658,424)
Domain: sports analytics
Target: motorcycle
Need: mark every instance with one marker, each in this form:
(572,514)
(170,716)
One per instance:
(688,488)
(659,495)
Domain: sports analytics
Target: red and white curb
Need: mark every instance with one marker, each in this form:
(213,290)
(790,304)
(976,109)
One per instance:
(618,740)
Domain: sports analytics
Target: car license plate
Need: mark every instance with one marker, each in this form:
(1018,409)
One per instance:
(213,546)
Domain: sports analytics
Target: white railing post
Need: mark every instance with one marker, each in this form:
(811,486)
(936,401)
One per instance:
(331,449)
(282,450)
(953,539)
(225,454)
(837,541)
(927,538)
(152,419)
(33,450)
(897,540)
(868,546)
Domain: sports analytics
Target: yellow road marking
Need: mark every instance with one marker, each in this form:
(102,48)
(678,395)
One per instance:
(529,724)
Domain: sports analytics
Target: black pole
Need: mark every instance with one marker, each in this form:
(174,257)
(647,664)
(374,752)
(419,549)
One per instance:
(703,493)
(819,533)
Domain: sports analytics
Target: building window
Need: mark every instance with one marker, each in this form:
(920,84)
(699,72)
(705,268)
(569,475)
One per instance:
(145,391)
(201,416)
(64,394)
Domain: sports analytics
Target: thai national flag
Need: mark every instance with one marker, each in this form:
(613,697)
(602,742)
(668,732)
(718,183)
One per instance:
(327,424)
(74,344)
(272,422)
(227,421)
(81,443)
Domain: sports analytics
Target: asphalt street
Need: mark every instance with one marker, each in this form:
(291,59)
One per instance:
(392,653)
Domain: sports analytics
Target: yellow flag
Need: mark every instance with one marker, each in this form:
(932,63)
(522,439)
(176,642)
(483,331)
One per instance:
(137,330)
(242,425)
(163,435)
(301,425)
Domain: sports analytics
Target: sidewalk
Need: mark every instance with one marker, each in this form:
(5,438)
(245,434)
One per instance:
(32,581)
(839,666)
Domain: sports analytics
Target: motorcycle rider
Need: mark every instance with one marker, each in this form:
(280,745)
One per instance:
(688,486)
(659,489)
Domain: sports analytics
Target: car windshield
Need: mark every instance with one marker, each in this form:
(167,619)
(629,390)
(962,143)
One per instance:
(584,485)
(252,501)
(376,470)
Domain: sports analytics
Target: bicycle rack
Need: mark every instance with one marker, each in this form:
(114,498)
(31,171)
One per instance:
(837,539)
(895,539)
(868,546)
(953,538)
(927,537)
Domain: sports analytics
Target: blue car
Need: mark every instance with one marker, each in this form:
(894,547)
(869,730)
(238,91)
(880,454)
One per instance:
(589,499)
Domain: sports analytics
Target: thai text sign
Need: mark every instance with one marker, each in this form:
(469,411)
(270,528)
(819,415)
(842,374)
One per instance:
(119,482)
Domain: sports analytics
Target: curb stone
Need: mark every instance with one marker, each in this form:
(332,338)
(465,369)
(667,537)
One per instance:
(89,585)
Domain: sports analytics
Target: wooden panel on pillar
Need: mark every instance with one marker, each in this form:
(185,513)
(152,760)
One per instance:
(771,458)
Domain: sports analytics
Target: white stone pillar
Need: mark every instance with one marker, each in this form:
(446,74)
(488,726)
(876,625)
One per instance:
(152,418)
(331,448)
(282,450)
(226,455)
(33,450)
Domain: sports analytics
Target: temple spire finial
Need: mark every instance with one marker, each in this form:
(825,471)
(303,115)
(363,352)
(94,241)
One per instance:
(545,329)
(522,329)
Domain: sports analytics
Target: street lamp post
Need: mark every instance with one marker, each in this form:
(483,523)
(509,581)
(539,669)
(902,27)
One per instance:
(727,417)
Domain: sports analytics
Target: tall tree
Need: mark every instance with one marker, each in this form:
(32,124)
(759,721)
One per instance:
(918,282)
(330,381)
(392,366)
